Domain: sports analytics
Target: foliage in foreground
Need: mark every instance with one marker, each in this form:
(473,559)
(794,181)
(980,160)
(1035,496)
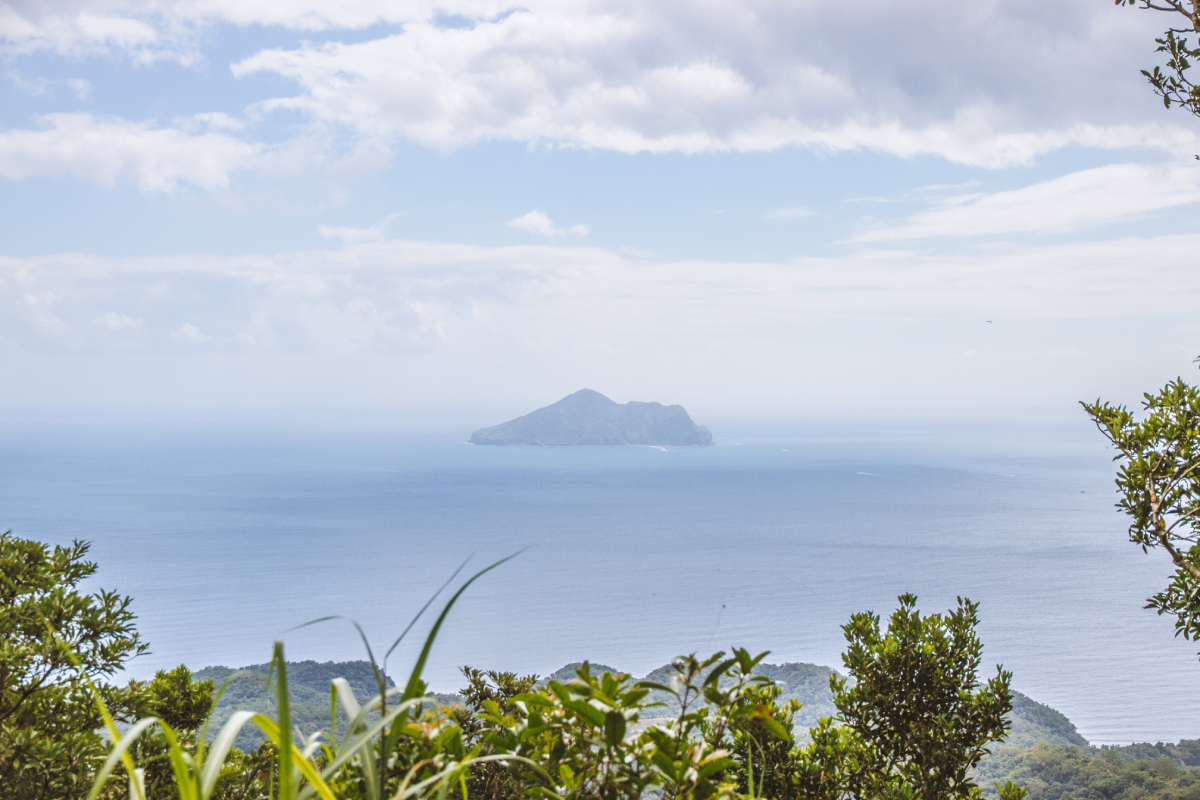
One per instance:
(1029,722)
(54,639)
(708,728)
(586,738)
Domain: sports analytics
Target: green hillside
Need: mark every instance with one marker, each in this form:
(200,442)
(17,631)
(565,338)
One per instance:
(1058,772)
(1033,723)
(308,689)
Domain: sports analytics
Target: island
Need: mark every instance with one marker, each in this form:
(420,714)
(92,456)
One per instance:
(590,418)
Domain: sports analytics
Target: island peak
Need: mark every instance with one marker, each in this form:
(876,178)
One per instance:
(589,418)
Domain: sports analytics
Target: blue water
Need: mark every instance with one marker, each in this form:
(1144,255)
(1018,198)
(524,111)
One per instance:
(229,535)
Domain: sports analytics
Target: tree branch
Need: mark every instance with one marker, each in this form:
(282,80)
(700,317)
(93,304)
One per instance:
(1161,533)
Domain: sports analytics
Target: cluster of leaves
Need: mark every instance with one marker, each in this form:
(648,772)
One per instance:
(578,738)
(58,646)
(1055,772)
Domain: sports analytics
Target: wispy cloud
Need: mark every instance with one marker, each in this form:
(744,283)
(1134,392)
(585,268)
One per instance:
(81,87)
(1090,198)
(409,296)
(109,149)
(539,224)
(373,233)
(791,213)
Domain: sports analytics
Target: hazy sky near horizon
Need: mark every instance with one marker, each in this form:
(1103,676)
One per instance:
(752,208)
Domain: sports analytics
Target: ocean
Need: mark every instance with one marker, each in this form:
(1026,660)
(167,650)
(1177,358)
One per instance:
(229,535)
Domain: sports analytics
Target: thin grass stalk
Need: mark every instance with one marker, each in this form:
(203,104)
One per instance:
(137,788)
(285,725)
(119,752)
(353,746)
(202,737)
(414,677)
(333,693)
(405,791)
(210,770)
(306,769)
(185,779)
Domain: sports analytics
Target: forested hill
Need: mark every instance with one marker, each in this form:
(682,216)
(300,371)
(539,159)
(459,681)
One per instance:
(308,688)
(1033,722)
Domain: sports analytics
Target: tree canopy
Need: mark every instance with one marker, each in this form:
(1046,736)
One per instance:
(915,717)
(52,637)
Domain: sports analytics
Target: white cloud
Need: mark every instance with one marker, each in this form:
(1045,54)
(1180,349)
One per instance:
(216,121)
(189,334)
(693,77)
(78,28)
(791,213)
(107,149)
(1089,198)
(539,224)
(688,76)
(81,87)
(118,322)
(374,233)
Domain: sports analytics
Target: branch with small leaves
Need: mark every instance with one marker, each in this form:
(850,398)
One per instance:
(1173,85)
(1159,483)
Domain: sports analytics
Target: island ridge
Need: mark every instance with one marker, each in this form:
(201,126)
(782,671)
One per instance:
(589,418)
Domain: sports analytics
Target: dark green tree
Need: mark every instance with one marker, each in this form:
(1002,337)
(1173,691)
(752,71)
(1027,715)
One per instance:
(920,718)
(762,743)
(492,780)
(178,700)
(183,704)
(1159,483)
(51,636)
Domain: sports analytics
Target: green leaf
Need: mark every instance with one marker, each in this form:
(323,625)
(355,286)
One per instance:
(614,728)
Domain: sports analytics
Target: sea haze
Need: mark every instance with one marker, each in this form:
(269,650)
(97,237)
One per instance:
(227,536)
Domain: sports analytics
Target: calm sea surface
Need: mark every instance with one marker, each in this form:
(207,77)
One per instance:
(228,536)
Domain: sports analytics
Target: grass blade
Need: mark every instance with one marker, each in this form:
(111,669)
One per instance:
(272,730)
(424,608)
(219,750)
(362,742)
(185,779)
(285,725)
(118,753)
(414,679)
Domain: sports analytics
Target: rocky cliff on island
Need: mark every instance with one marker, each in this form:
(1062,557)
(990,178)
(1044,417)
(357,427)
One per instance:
(590,418)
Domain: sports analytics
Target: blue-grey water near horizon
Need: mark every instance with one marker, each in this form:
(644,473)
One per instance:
(228,536)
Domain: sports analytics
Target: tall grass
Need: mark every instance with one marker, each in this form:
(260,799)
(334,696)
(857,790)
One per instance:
(319,765)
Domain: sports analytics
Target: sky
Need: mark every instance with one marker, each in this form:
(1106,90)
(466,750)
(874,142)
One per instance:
(755,209)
